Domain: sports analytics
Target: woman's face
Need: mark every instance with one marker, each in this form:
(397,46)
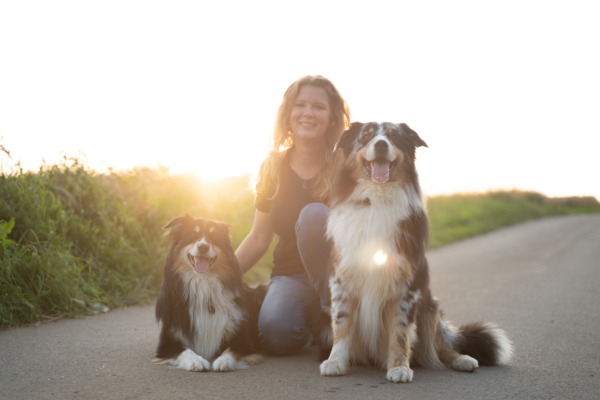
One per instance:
(311,114)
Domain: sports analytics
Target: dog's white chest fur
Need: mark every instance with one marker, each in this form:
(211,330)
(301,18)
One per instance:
(369,264)
(213,314)
(364,227)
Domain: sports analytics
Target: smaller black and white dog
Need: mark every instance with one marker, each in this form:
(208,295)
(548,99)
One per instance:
(209,315)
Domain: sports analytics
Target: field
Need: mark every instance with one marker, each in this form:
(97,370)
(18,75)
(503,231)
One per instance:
(75,242)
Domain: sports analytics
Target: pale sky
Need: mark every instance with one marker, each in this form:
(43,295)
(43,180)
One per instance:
(505,93)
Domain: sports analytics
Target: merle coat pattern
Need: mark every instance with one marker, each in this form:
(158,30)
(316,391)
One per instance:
(383,312)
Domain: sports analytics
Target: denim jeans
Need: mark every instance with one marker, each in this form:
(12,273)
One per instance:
(293,303)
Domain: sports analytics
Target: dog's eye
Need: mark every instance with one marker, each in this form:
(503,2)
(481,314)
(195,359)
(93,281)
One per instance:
(395,137)
(367,136)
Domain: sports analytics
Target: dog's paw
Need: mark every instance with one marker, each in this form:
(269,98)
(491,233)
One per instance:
(400,374)
(465,363)
(191,361)
(333,367)
(224,363)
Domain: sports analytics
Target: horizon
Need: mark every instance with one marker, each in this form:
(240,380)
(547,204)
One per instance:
(248,176)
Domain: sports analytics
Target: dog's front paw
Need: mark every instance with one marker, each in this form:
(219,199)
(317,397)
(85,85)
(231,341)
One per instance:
(333,367)
(224,363)
(191,361)
(400,374)
(465,363)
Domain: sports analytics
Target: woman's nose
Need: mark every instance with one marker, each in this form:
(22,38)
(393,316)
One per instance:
(308,111)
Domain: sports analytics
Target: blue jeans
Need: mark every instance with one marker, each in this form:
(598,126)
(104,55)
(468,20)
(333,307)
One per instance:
(287,320)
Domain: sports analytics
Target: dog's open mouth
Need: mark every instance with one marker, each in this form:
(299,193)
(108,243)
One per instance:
(379,170)
(201,264)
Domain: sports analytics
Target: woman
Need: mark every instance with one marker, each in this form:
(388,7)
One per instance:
(291,193)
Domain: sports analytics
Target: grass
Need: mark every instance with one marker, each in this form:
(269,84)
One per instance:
(460,216)
(75,242)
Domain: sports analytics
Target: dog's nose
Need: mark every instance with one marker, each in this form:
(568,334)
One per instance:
(203,248)
(381,147)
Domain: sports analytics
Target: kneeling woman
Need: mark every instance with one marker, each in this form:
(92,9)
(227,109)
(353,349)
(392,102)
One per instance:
(291,196)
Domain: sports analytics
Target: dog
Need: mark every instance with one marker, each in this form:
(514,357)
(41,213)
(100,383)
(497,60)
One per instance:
(209,315)
(382,309)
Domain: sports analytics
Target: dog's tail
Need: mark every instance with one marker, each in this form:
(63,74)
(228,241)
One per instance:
(486,342)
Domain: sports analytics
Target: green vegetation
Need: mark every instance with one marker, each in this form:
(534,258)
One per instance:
(75,242)
(460,216)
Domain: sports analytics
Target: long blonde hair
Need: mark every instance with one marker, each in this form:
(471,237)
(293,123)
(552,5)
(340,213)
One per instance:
(267,181)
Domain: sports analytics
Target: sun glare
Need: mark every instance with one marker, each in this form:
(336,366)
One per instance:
(380,258)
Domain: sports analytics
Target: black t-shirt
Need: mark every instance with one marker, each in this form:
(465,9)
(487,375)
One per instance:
(284,209)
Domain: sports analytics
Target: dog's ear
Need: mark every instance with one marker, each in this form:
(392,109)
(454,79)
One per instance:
(222,227)
(176,223)
(220,234)
(414,137)
(348,138)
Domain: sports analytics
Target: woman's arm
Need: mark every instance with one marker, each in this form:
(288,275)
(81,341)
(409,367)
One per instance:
(256,243)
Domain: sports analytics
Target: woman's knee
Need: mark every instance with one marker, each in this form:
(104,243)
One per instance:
(312,218)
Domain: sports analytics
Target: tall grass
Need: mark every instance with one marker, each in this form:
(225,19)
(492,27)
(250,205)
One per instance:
(75,242)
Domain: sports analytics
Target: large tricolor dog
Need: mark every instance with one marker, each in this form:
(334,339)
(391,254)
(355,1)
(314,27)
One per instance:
(209,315)
(383,312)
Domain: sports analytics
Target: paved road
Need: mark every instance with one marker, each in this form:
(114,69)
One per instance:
(539,280)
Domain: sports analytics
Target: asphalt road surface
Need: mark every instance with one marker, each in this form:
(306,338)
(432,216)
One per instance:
(539,280)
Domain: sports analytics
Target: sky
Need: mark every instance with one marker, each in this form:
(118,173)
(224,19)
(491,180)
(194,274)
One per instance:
(505,93)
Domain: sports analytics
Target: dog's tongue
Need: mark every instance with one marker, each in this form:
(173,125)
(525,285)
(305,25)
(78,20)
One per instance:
(380,171)
(201,264)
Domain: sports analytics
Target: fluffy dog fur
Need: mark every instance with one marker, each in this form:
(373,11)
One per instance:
(209,316)
(383,312)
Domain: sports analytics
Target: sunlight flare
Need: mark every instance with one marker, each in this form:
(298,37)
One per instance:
(380,258)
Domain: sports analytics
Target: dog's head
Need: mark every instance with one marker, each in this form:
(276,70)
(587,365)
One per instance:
(199,243)
(380,152)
